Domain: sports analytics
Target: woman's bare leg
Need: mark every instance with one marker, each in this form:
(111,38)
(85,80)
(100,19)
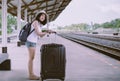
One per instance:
(30,63)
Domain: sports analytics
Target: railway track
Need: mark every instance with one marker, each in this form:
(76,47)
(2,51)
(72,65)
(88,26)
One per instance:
(108,45)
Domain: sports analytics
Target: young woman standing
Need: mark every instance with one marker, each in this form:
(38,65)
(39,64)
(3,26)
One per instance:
(40,20)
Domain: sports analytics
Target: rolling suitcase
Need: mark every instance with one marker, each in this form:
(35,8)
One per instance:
(53,61)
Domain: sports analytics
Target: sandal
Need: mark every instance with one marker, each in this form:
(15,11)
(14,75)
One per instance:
(34,77)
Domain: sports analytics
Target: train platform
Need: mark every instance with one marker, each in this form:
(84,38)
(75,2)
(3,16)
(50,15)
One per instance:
(83,64)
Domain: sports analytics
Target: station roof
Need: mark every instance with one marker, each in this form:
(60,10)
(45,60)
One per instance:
(52,7)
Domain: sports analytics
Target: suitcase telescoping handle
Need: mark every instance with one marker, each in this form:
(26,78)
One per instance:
(48,34)
(52,38)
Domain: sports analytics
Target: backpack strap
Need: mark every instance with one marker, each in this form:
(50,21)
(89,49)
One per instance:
(31,31)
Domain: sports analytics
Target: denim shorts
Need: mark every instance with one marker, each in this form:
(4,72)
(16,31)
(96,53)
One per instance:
(30,44)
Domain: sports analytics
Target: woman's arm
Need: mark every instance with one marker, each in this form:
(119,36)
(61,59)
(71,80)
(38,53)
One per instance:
(35,25)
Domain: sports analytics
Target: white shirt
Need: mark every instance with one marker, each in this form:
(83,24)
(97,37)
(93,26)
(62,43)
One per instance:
(33,37)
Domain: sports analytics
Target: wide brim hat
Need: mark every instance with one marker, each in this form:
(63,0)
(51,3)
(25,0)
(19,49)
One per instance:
(43,11)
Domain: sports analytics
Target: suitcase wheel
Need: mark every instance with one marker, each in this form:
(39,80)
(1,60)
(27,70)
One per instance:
(41,79)
(62,79)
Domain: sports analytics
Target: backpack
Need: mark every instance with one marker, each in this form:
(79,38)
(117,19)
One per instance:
(25,32)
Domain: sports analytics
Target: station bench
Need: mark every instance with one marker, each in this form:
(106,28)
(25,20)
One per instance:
(4,62)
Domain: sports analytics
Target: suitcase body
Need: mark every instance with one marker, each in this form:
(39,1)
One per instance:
(53,61)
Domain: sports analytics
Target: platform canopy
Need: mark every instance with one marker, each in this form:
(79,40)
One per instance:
(52,7)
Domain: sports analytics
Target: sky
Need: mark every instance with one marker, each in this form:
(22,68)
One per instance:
(87,11)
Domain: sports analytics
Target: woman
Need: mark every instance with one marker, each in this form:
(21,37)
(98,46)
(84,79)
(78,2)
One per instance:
(40,20)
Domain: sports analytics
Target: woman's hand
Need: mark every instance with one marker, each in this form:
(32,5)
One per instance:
(49,31)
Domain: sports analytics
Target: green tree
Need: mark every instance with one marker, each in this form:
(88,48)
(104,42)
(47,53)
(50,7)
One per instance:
(117,24)
(11,20)
(107,25)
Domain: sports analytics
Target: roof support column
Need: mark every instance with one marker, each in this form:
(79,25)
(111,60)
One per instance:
(19,15)
(4,26)
(25,15)
(30,18)
(18,19)
(6,64)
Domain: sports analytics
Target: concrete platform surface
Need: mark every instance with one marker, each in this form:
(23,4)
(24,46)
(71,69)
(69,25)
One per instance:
(83,64)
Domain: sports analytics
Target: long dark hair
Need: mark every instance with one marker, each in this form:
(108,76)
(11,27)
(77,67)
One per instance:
(38,18)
